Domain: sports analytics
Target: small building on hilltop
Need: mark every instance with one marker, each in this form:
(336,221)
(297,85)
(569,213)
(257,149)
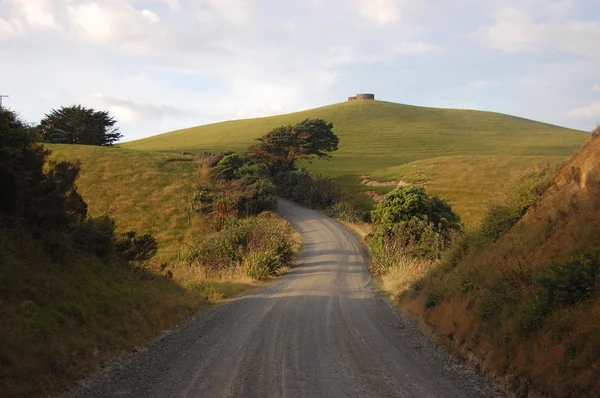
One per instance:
(362,97)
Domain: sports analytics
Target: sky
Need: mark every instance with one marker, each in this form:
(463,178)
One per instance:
(160,65)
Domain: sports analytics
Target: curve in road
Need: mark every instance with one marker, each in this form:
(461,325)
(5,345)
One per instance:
(322,330)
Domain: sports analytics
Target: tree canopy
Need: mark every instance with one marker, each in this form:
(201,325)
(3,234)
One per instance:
(284,146)
(79,125)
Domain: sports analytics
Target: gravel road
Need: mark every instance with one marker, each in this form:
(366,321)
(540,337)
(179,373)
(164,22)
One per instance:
(322,330)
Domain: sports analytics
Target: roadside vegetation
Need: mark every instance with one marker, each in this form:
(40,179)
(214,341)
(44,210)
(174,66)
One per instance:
(80,285)
(519,293)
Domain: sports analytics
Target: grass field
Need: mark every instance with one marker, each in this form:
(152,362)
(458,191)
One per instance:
(468,183)
(375,135)
(461,155)
(144,192)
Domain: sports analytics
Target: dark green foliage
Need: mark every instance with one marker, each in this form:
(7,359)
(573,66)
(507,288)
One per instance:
(403,204)
(228,167)
(317,192)
(41,200)
(136,249)
(95,236)
(561,285)
(79,125)
(235,198)
(284,146)
(41,197)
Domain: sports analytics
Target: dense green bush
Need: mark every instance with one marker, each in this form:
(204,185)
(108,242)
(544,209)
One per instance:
(561,285)
(411,223)
(228,167)
(404,204)
(317,192)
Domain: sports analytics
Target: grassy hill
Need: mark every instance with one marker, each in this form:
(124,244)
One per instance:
(144,192)
(462,155)
(375,135)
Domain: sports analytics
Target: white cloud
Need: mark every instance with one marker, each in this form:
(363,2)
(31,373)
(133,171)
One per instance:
(380,11)
(416,48)
(37,13)
(150,16)
(26,16)
(515,31)
(99,24)
(384,12)
(591,110)
(596,87)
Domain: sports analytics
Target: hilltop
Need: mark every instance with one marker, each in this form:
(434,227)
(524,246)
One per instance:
(388,141)
(376,134)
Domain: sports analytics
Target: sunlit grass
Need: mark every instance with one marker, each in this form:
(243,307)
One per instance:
(375,135)
(144,192)
(468,183)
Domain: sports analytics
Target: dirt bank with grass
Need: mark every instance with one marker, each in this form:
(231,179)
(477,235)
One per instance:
(524,302)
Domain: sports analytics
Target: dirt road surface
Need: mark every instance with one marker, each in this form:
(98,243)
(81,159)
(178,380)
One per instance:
(322,330)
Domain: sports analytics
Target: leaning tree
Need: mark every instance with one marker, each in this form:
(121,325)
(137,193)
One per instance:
(284,146)
(79,125)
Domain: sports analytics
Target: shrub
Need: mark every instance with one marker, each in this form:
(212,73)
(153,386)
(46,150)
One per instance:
(95,236)
(561,285)
(317,192)
(228,167)
(259,245)
(404,204)
(136,249)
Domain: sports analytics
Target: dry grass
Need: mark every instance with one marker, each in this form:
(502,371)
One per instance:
(60,322)
(144,192)
(468,183)
(479,299)
(406,271)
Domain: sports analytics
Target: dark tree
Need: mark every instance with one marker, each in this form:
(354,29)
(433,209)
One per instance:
(284,146)
(79,125)
(36,193)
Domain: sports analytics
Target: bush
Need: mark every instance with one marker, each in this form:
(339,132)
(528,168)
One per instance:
(317,192)
(259,245)
(404,204)
(96,236)
(228,167)
(408,220)
(561,285)
(136,249)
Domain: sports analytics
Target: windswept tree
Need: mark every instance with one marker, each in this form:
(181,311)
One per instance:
(284,146)
(79,125)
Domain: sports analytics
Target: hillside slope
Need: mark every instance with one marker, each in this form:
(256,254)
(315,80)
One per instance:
(144,192)
(528,304)
(376,134)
